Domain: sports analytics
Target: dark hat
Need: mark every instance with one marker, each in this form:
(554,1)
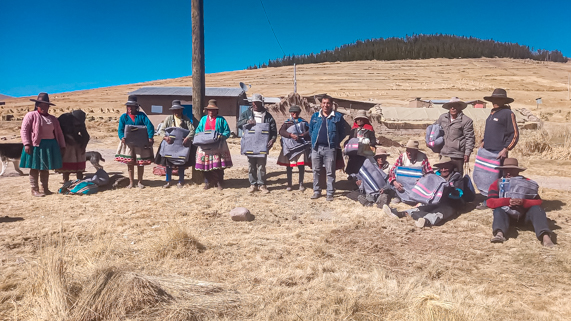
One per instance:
(499,95)
(444,161)
(511,163)
(456,103)
(295,109)
(132,101)
(176,105)
(212,104)
(43,98)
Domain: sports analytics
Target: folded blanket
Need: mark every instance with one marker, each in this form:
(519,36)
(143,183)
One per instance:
(428,189)
(291,147)
(207,137)
(176,152)
(136,136)
(522,188)
(407,176)
(484,170)
(372,177)
(254,141)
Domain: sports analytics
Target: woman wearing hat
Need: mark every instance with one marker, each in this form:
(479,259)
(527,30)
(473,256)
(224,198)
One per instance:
(362,130)
(299,160)
(449,205)
(44,144)
(213,163)
(134,155)
(459,136)
(76,139)
(501,133)
(513,210)
(177,119)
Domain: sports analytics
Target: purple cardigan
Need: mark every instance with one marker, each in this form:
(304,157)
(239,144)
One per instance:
(31,129)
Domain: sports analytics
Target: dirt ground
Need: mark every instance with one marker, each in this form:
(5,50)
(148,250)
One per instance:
(300,259)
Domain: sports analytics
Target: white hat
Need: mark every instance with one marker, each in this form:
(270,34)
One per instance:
(257,97)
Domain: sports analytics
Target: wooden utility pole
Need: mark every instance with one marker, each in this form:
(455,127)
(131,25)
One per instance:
(198,84)
(197,59)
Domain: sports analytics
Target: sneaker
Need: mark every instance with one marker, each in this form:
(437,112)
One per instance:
(167,185)
(422,222)
(253,188)
(288,189)
(315,195)
(389,211)
(180,185)
(301,187)
(329,198)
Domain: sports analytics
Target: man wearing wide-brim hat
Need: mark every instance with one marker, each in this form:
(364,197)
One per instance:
(177,119)
(257,165)
(501,133)
(412,157)
(511,210)
(459,136)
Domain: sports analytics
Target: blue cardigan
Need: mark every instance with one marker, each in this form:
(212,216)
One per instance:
(221,126)
(140,119)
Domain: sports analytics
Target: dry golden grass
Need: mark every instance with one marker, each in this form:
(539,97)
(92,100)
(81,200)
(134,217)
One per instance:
(157,254)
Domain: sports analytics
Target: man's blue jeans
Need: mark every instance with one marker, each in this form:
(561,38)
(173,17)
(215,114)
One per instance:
(321,157)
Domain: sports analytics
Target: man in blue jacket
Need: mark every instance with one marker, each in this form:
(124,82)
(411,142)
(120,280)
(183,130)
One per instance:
(327,130)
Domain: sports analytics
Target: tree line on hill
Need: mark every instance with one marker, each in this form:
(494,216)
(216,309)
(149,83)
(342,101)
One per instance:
(419,47)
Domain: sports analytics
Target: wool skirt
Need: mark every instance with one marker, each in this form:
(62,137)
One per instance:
(73,159)
(134,155)
(44,157)
(213,159)
(299,160)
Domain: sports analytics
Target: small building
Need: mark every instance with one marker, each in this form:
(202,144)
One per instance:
(477,103)
(343,105)
(418,103)
(156,101)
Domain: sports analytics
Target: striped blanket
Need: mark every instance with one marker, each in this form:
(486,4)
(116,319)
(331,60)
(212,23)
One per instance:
(372,177)
(407,176)
(428,189)
(485,172)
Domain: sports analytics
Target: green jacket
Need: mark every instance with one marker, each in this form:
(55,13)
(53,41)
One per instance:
(186,124)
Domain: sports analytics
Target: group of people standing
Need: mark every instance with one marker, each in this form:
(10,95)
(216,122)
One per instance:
(59,144)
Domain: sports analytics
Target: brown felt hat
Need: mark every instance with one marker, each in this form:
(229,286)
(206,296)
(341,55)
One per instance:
(456,103)
(379,151)
(212,104)
(413,144)
(43,98)
(511,163)
(499,95)
(444,161)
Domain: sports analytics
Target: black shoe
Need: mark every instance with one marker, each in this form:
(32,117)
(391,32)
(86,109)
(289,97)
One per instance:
(315,195)
(329,198)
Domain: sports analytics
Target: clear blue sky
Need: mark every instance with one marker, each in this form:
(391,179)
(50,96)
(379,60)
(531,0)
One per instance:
(65,45)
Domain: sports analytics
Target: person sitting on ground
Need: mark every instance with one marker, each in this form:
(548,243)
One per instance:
(381,197)
(511,210)
(412,157)
(362,130)
(177,119)
(301,159)
(449,205)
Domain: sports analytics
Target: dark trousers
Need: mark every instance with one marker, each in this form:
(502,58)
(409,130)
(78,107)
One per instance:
(180,173)
(534,215)
(289,173)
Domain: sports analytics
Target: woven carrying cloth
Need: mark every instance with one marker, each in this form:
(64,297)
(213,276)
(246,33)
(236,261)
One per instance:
(136,136)
(254,141)
(293,148)
(428,189)
(434,137)
(175,153)
(372,177)
(518,187)
(407,176)
(484,170)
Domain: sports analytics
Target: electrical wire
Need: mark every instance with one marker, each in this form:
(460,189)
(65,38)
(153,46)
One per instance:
(272,27)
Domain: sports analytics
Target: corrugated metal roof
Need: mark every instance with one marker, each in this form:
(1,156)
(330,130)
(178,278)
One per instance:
(268,100)
(186,91)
